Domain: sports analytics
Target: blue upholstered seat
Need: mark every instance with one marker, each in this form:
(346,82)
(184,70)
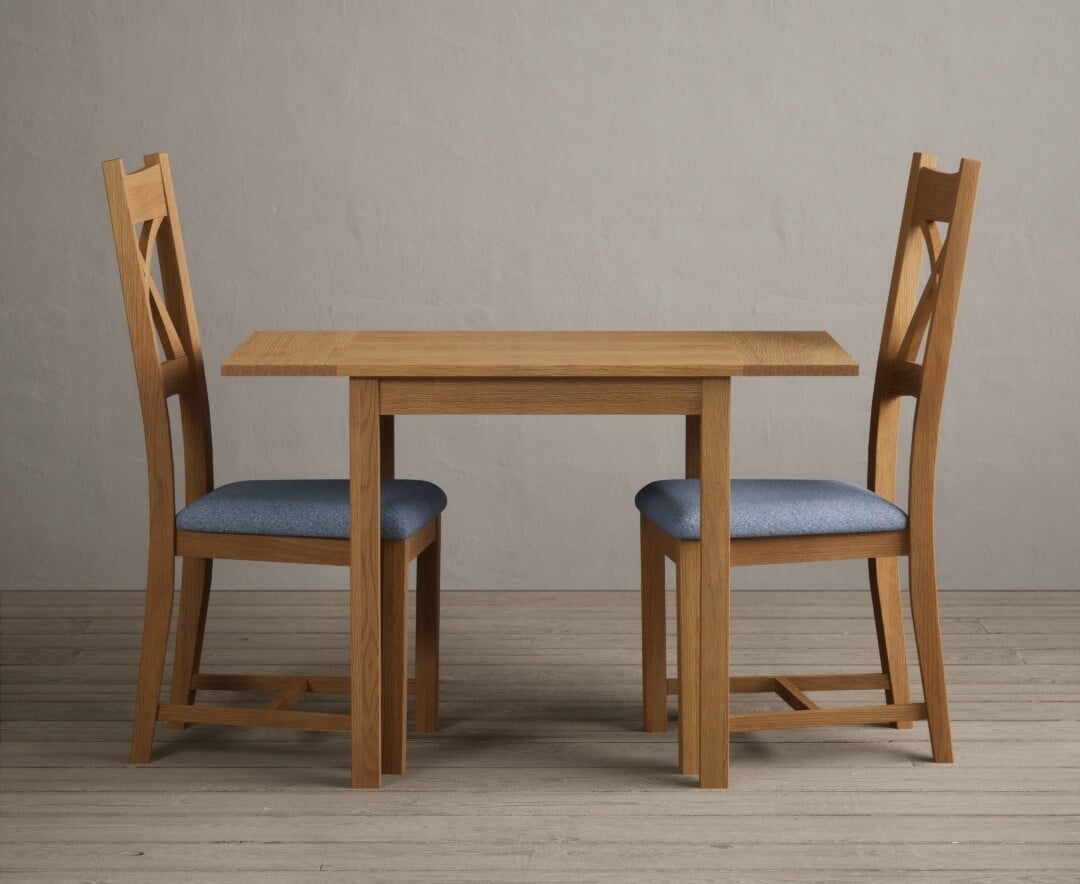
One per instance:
(309,508)
(772,508)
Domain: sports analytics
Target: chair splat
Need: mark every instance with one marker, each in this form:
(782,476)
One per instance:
(163,322)
(924,310)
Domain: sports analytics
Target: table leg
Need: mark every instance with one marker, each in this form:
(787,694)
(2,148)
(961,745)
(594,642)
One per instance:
(693,446)
(386,445)
(715,581)
(365,684)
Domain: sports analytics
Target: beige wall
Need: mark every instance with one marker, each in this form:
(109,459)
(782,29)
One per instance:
(538,165)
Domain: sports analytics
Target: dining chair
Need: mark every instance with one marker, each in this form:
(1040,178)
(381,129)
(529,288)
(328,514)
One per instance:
(296,521)
(780,521)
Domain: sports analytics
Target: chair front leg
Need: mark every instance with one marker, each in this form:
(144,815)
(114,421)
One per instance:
(190,627)
(688,598)
(889,619)
(653,631)
(395,654)
(426,694)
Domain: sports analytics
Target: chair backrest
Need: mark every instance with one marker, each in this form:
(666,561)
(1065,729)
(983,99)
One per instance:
(917,337)
(164,335)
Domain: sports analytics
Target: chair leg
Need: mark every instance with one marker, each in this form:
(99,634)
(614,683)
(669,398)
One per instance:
(190,626)
(653,631)
(925,618)
(889,618)
(688,598)
(155,639)
(395,654)
(426,695)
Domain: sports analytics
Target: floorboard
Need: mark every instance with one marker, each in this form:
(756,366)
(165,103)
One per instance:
(540,772)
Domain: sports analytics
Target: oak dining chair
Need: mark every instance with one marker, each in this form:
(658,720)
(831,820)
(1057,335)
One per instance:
(779,521)
(288,521)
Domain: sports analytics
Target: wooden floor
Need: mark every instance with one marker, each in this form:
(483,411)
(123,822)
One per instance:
(541,771)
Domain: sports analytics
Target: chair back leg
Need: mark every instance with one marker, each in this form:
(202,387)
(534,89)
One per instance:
(653,631)
(926,621)
(428,580)
(155,639)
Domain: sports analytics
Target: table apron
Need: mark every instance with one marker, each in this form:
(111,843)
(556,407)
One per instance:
(573,395)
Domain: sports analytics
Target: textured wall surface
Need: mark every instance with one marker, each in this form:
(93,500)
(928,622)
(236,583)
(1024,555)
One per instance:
(538,165)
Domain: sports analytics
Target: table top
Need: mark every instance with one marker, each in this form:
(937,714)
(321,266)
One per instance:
(539,354)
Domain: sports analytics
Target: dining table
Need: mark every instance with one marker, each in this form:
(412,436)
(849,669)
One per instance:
(675,373)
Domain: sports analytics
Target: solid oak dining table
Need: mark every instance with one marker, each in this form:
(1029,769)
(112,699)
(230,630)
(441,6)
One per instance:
(538,372)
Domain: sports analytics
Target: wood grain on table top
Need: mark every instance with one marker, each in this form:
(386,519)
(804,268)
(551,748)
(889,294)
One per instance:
(522,354)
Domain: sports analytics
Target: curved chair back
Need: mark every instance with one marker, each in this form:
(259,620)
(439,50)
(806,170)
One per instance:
(164,334)
(917,337)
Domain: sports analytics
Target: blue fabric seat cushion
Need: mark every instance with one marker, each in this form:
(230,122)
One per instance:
(309,508)
(772,508)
